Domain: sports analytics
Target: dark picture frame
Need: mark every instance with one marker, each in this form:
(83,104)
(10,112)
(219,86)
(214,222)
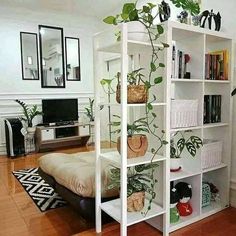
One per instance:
(41,27)
(66,52)
(22,55)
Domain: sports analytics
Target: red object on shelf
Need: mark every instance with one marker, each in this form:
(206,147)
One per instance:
(184,209)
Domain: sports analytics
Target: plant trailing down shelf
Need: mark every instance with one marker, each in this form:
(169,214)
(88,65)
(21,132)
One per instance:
(146,17)
(191,144)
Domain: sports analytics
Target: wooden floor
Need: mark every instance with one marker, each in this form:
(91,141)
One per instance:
(19,215)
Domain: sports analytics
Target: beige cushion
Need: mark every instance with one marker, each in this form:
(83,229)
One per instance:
(76,172)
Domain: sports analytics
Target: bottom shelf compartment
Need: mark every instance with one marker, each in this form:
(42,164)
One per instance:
(113,208)
(213,208)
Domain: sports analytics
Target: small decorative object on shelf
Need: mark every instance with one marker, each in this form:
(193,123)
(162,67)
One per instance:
(196,20)
(185,194)
(137,144)
(165,11)
(183,17)
(174,199)
(140,181)
(187,74)
(210,16)
(206,194)
(215,196)
(192,144)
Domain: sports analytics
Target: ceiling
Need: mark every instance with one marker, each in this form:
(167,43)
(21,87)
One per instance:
(92,8)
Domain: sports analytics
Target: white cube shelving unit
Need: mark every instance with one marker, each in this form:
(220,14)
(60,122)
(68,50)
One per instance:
(130,54)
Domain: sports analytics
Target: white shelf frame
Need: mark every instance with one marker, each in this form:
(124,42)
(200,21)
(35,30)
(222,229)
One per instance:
(124,218)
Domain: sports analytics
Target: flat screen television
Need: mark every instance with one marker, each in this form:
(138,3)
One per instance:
(59,110)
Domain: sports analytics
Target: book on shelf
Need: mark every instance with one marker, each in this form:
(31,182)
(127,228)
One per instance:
(216,65)
(212,109)
(178,62)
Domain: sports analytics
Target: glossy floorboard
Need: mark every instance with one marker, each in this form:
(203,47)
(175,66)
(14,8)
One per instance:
(221,224)
(19,215)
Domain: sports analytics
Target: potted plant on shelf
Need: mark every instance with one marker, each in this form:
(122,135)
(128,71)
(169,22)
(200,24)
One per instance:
(191,144)
(141,181)
(89,112)
(137,143)
(29,115)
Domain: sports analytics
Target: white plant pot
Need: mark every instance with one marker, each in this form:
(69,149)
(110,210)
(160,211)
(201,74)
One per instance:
(137,31)
(31,130)
(175,164)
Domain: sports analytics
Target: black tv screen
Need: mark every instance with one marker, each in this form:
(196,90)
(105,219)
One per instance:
(59,110)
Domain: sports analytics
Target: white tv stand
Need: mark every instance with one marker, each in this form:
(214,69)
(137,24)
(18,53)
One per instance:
(58,136)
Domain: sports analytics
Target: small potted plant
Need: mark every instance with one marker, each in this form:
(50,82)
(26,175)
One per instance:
(89,110)
(137,142)
(29,115)
(140,181)
(191,144)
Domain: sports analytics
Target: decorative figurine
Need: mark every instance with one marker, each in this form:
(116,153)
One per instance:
(210,16)
(183,17)
(185,194)
(164,10)
(187,74)
(174,199)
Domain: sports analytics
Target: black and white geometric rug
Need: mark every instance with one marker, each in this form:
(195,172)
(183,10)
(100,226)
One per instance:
(42,193)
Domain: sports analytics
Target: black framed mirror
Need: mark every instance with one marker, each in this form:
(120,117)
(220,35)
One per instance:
(29,56)
(72,50)
(51,57)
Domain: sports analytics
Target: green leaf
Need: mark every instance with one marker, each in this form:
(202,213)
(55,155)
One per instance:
(154,97)
(158,80)
(160,29)
(110,20)
(191,149)
(146,9)
(153,67)
(197,142)
(181,144)
(154,115)
(151,5)
(161,65)
(165,45)
(172,152)
(149,106)
(155,126)
(153,150)
(164,142)
(133,15)
(147,85)
(127,8)
(124,16)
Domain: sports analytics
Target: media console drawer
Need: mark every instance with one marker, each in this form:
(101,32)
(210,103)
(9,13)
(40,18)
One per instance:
(47,134)
(83,130)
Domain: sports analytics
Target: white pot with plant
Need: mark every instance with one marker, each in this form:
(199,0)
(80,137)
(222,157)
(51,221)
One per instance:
(29,114)
(178,144)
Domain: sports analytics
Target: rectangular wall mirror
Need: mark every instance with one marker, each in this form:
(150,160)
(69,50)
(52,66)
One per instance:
(29,56)
(72,59)
(51,57)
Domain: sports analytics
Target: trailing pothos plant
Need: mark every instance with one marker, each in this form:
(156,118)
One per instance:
(147,15)
(191,144)
(139,179)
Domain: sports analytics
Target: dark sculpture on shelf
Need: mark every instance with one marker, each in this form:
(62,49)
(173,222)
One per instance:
(210,15)
(164,11)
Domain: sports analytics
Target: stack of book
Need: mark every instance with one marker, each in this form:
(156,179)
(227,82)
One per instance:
(216,65)
(212,109)
(179,62)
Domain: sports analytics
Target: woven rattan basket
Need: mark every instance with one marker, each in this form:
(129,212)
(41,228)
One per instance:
(135,94)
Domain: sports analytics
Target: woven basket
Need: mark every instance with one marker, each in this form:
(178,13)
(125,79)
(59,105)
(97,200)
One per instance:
(135,202)
(135,94)
(136,145)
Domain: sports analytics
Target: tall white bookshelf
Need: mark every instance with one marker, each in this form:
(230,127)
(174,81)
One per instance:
(197,42)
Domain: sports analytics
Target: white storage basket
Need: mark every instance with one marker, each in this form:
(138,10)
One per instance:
(211,153)
(184,113)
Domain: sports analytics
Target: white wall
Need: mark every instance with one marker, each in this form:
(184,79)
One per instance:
(12,21)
